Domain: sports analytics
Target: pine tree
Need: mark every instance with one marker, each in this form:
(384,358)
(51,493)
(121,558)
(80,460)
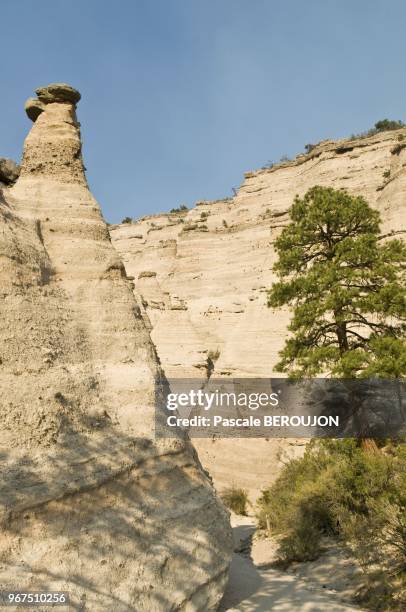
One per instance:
(345,286)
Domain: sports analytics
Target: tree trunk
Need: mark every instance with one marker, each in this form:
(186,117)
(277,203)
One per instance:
(369,445)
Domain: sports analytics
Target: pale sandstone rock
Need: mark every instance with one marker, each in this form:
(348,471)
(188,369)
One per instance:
(9,171)
(90,502)
(34,107)
(222,276)
(58,92)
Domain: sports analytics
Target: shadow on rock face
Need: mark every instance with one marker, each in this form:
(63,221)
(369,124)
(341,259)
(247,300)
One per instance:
(9,171)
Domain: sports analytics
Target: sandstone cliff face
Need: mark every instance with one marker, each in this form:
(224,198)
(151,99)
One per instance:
(90,503)
(202,275)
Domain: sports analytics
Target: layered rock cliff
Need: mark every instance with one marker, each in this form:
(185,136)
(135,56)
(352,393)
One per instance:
(90,502)
(202,274)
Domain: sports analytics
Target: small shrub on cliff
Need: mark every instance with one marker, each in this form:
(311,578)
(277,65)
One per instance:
(385,125)
(211,359)
(127,220)
(236,500)
(181,208)
(398,148)
(213,355)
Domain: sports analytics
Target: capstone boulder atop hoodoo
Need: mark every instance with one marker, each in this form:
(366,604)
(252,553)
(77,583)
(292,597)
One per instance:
(90,502)
(58,92)
(54,93)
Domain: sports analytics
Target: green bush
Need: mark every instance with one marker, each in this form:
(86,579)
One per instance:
(127,220)
(181,208)
(236,500)
(386,174)
(338,489)
(302,543)
(385,125)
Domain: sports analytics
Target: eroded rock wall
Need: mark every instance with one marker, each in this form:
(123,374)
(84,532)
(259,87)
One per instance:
(90,502)
(203,274)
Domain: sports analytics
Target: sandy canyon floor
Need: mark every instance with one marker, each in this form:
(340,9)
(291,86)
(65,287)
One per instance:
(326,584)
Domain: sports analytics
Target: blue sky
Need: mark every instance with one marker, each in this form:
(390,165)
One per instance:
(181,97)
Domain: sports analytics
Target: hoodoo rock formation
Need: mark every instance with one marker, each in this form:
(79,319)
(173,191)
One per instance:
(90,502)
(209,268)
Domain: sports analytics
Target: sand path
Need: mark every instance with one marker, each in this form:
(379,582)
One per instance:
(257,588)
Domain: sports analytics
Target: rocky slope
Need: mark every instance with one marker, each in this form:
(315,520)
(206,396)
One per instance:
(203,274)
(90,503)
